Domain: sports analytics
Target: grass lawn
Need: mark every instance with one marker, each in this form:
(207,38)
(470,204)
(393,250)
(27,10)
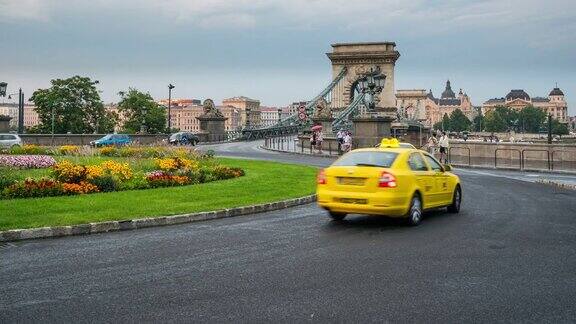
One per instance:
(264,182)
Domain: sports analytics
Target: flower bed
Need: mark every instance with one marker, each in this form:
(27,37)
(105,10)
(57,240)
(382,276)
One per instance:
(68,178)
(27,161)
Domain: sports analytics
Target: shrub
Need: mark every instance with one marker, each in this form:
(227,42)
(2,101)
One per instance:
(69,150)
(120,170)
(172,164)
(66,171)
(33,188)
(79,188)
(105,183)
(162,179)
(27,161)
(7,178)
(224,172)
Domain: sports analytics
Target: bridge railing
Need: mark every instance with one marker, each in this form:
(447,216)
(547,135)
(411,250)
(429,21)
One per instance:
(536,159)
(301,145)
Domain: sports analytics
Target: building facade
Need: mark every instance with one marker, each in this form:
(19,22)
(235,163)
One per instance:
(249,109)
(418,105)
(271,115)
(555,104)
(30,115)
(185,117)
(10,110)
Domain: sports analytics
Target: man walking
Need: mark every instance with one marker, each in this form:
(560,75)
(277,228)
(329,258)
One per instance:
(444,145)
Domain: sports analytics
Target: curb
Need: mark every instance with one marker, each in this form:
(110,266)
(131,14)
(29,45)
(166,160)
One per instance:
(123,225)
(557,184)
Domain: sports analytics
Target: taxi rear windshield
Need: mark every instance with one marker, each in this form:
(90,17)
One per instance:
(375,159)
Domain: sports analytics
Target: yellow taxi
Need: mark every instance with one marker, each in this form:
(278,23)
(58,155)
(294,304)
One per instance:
(389,180)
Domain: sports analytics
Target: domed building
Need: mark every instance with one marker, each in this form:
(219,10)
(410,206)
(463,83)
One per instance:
(421,105)
(517,99)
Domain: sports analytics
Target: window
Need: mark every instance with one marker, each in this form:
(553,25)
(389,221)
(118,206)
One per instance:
(416,162)
(435,165)
(367,158)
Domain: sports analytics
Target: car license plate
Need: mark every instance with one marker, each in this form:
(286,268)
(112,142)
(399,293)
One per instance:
(353,201)
(351,181)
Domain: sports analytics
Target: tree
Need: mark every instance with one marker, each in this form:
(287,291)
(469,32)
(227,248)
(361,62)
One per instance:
(140,109)
(494,122)
(531,119)
(559,128)
(459,122)
(478,122)
(75,106)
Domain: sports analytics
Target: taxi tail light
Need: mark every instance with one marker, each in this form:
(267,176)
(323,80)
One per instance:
(321,177)
(387,180)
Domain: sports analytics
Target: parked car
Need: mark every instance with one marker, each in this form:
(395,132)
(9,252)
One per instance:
(112,139)
(390,181)
(10,140)
(184,138)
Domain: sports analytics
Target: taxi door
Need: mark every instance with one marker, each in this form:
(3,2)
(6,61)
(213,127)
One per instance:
(424,178)
(443,194)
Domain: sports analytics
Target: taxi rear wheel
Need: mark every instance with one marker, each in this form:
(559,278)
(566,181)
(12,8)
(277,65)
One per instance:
(337,216)
(456,201)
(415,211)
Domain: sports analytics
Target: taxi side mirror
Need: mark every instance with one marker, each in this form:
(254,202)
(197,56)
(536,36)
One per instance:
(447,167)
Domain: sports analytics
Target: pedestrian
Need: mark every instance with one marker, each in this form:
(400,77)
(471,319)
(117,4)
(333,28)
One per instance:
(432,144)
(444,144)
(347,145)
(319,140)
(340,138)
(313,140)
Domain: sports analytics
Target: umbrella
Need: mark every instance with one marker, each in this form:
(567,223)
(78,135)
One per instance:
(316,128)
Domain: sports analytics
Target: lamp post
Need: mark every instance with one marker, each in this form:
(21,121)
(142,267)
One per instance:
(370,85)
(3,88)
(143,126)
(170,87)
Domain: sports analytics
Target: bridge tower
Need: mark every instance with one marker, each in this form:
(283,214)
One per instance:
(358,58)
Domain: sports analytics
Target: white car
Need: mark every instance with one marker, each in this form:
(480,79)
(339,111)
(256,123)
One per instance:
(10,140)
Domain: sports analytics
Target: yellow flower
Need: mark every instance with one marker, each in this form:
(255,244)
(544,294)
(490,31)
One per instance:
(120,170)
(94,171)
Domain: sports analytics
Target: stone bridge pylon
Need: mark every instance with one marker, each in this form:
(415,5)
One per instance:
(358,58)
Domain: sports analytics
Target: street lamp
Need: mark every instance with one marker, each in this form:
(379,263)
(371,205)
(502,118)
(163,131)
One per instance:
(370,85)
(3,87)
(143,126)
(170,87)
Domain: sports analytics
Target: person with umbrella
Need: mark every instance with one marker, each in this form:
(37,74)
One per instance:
(317,137)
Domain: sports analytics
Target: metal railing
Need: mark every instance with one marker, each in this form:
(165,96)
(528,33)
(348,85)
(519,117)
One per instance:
(520,159)
(302,145)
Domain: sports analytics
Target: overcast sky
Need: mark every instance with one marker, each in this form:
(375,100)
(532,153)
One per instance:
(274,50)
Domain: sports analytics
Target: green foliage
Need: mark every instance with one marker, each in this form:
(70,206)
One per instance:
(559,128)
(478,122)
(531,119)
(260,185)
(105,183)
(459,122)
(33,188)
(494,121)
(141,109)
(7,177)
(76,105)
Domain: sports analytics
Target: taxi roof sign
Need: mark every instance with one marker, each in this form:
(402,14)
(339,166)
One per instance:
(389,143)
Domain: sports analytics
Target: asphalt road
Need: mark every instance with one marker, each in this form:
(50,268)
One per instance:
(509,256)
